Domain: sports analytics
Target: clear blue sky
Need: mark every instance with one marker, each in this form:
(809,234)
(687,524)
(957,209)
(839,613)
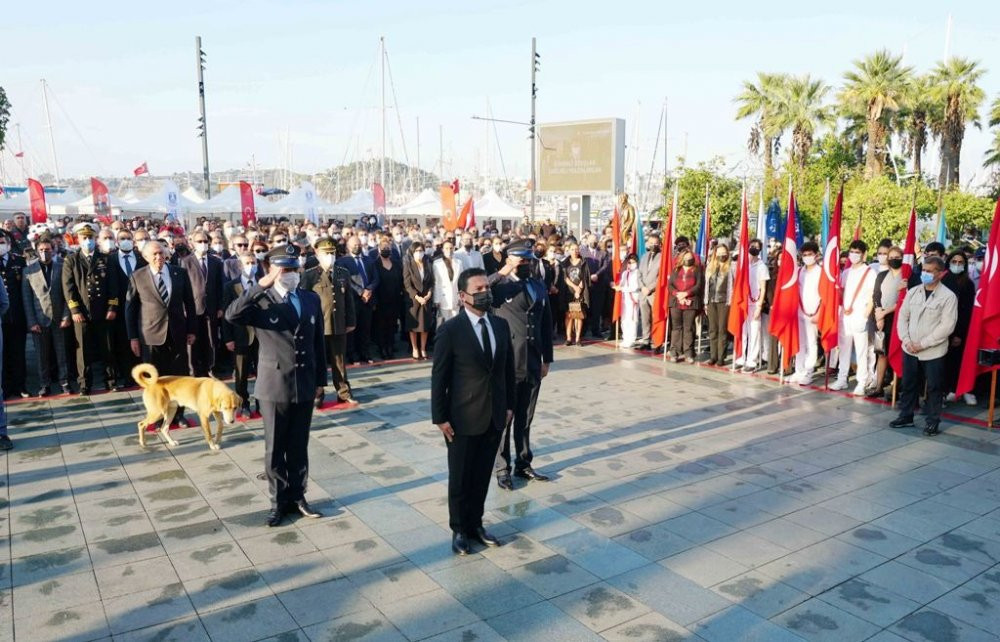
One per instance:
(124,73)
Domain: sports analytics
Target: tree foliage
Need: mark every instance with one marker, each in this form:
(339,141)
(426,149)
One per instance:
(4,117)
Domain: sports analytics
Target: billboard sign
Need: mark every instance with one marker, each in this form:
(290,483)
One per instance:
(581,157)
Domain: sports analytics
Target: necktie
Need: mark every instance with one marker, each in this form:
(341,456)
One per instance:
(128,265)
(204,266)
(45,271)
(161,287)
(487,345)
(291,302)
(361,269)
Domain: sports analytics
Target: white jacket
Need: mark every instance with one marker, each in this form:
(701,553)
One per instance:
(445,289)
(927,320)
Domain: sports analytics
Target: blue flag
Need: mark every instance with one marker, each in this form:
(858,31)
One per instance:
(640,236)
(773,221)
(824,232)
(701,246)
(942,231)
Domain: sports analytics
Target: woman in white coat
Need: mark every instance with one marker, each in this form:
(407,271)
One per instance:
(446,271)
(628,285)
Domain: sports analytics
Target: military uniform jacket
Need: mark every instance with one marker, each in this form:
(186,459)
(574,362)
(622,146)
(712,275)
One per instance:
(89,285)
(524,305)
(291,361)
(334,290)
(12,271)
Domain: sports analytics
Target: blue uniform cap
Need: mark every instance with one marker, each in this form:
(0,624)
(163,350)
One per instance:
(286,256)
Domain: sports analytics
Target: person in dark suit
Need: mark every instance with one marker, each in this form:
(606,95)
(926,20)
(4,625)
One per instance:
(289,327)
(232,267)
(599,262)
(418,282)
(46,314)
(123,262)
(364,282)
(5,442)
(90,289)
(472,399)
(241,340)
(160,315)
(333,285)
(205,272)
(523,302)
(15,329)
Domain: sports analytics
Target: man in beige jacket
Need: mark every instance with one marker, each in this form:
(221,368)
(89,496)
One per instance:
(924,321)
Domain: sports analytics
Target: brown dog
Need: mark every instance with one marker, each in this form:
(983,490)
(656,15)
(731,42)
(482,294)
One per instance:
(162,396)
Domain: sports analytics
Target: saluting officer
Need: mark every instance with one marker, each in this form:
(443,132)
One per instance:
(332,283)
(15,326)
(90,289)
(292,371)
(523,302)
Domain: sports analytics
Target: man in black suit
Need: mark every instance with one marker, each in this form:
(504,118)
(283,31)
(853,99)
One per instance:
(523,302)
(15,327)
(599,262)
(47,315)
(289,326)
(160,314)
(241,340)
(205,272)
(364,282)
(123,262)
(472,399)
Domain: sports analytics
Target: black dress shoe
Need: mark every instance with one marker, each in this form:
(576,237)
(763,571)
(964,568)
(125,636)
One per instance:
(901,422)
(531,473)
(459,544)
(303,508)
(6,443)
(274,517)
(319,401)
(44,392)
(84,391)
(931,430)
(504,482)
(481,536)
(66,389)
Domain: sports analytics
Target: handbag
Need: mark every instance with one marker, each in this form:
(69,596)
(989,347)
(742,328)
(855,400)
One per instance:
(575,306)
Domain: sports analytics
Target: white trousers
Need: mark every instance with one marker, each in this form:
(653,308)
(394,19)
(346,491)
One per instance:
(863,354)
(805,360)
(629,321)
(751,337)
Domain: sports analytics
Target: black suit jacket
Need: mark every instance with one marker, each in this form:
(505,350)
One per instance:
(115,266)
(241,335)
(12,272)
(151,321)
(465,390)
(207,288)
(351,265)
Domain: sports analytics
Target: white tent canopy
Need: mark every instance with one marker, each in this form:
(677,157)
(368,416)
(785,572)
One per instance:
(193,195)
(361,201)
(57,204)
(228,201)
(426,203)
(302,201)
(167,201)
(20,202)
(492,206)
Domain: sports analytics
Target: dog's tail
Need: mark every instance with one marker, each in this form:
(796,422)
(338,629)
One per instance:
(145,374)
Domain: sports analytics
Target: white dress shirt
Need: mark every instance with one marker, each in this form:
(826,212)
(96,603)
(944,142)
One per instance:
(474,320)
(167,281)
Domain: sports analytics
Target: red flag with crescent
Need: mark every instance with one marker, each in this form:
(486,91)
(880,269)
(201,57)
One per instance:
(785,309)
(247,206)
(378,193)
(141,169)
(39,213)
(984,329)
(739,307)
(909,258)
(829,281)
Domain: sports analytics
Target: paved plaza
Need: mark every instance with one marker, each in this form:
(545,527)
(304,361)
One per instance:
(687,504)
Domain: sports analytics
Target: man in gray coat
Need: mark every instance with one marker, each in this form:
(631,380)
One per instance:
(47,315)
(649,273)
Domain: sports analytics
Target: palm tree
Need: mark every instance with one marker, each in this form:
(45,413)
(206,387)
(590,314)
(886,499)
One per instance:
(954,88)
(758,101)
(800,107)
(993,153)
(916,119)
(876,88)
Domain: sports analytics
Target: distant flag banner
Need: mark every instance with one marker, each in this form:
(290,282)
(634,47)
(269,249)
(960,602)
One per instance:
(18,154)
(247,205)
(616,262)
(463,216)
(36,192)
(378,192)
(448,216)
(942,231)
(470,224)
(829,283)
(984,329)
(455,186)
(773,229)
(102,201)
(824,228)
(784,324)
(739,307)
(704,231)
(639,238)
(661,296)
(141,169)
(895,352)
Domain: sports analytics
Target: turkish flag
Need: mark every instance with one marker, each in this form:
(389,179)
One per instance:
(448,217)
(39,213)
(454,186)
(247,205)
(378,192)
(616,263)
(785,309)
(141,169)
(467,217)
(829,282)
(661,295)
(984,328)
(895,352)
(102,201)
(739,307)
(19,155)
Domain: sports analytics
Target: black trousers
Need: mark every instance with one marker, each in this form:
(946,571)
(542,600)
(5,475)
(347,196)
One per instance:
(286,449)
(933,371)
(520,425)
(718,330)
(336,346)
(93,344)
(14,338)
(469,460)
(386,318)
(245,359)
(357,341)
(203,349)
(595,316)
(122,358)
(51,355)
(682,332)
(169,359)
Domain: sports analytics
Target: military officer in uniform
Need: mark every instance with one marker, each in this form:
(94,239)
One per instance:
(333,285)
(522,301)
(90,288)
(15,326)
(288,323)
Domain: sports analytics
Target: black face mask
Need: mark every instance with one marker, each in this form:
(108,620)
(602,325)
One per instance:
(524,271)
(356,251)
(895,264)
(754,251)
(688,262)
(482,301)
(385,252)
(182,250)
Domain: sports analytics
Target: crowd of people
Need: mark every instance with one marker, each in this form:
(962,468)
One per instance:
(387,284)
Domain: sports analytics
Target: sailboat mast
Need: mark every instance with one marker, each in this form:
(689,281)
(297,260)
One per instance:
(20,149)
(382,157)
(48,121)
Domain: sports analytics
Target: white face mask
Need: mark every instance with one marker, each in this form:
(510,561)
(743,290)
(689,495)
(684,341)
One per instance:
(218,247)
(249,270)
(418,256)
(325,260)
(201,248)
(956,269)
(854,258)
(302,261)
(107,245)
(4,249)
(260,255)
(227,232)
(140,244)
(289,280)
(809,260)
(883,259)
(125,245)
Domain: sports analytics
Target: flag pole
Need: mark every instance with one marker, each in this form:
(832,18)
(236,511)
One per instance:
(993,399)
(895,379)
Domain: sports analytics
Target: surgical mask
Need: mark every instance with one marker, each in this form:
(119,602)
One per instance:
(302,260)
(926,278)
(497,248)
(140,244)
(107,245)
(398,238)
(227,232)
(260,255)
(4,249)
(854,258)
(956,269)
(895,264)
(200,248)
(219,248)
(418,256)
(482,301)
(289,280)
(363,239)
(312,236)
(249,270)
(45,256)
(809,260)
(125,245)
(325,260)
(87,245)
(633,266)
(883,259)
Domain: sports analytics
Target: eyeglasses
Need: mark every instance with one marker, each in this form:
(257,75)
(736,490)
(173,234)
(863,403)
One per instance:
(240,244)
